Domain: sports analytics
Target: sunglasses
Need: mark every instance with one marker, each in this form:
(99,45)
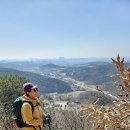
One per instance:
(35,89)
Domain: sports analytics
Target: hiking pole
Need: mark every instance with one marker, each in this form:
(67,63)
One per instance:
(49,121)
(49,126)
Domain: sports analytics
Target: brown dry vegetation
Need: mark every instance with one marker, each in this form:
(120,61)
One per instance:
(115,117)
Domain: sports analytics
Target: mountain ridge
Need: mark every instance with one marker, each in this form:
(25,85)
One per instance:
(46,85)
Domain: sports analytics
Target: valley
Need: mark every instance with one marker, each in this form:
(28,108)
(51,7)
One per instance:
(70,84)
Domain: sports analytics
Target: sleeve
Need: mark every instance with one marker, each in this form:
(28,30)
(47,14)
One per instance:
(28,117)
(44,114)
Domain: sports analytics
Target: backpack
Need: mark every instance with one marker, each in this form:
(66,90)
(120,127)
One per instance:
(17,104)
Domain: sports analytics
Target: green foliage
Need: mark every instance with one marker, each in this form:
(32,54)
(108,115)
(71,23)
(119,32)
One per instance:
(10,88)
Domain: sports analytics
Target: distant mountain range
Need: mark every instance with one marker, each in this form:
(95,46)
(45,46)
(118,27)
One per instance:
(33,63)
(92,71)
(62,60)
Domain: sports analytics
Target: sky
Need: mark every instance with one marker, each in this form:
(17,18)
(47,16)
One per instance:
(64,28)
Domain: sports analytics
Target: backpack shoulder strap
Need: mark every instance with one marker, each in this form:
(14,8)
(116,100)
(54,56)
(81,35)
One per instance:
(31,104)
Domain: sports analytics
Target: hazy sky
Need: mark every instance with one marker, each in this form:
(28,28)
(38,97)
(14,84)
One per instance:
(64,28)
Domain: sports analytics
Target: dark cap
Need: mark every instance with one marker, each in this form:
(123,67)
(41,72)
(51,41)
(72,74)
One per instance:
(28,86)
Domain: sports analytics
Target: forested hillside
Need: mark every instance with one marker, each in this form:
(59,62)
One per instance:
(46,85)
(50,66)
(93,73)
